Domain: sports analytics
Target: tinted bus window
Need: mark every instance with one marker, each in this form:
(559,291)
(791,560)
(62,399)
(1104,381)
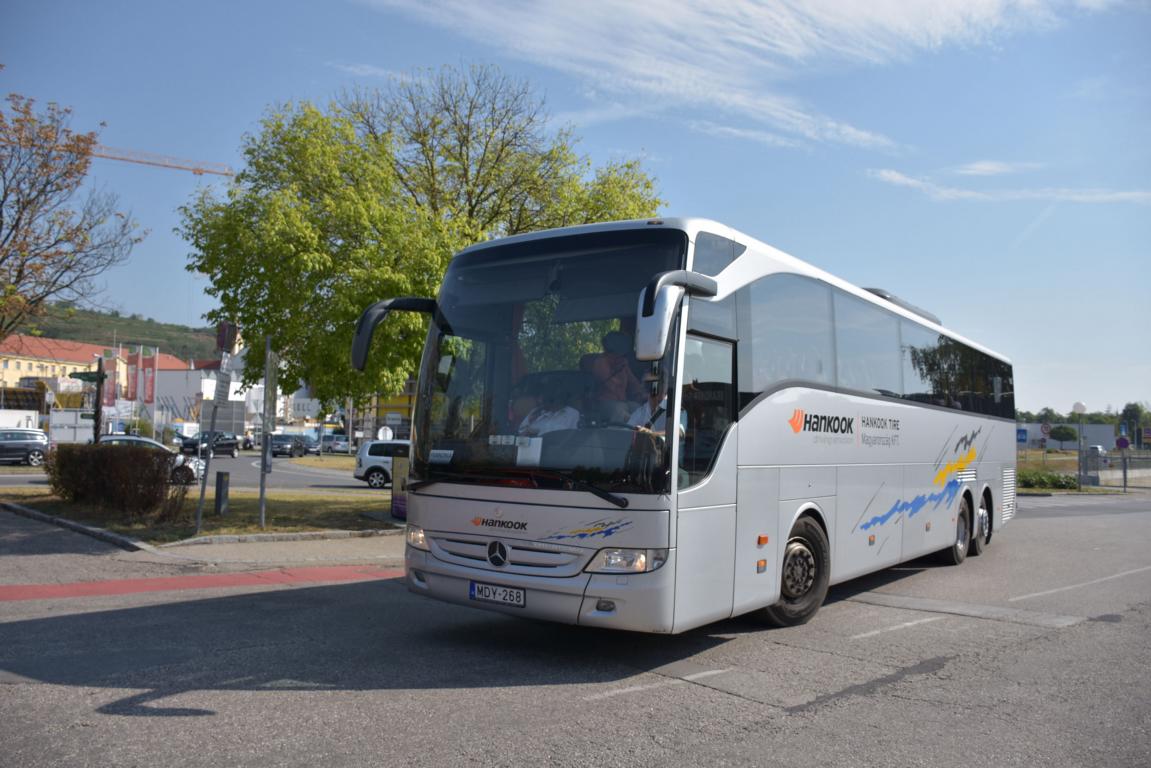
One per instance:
(789,336)
(866,346)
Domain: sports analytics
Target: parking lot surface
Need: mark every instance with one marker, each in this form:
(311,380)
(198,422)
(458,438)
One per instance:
(1035,653)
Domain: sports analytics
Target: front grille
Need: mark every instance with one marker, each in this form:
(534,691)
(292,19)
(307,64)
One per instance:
(1008,503)
(524,557)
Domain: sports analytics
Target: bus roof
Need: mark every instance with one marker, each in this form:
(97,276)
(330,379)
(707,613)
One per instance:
(785,262)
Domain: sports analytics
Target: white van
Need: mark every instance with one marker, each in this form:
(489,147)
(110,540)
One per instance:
(374,461)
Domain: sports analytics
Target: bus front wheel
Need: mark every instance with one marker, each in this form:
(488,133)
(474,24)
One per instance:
(805,575)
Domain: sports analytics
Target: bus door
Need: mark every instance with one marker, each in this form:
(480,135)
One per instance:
(706,472)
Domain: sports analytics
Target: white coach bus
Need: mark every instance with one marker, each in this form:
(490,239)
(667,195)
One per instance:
(654,425)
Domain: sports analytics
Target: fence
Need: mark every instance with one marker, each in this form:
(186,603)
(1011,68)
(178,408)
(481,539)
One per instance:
(1117,469)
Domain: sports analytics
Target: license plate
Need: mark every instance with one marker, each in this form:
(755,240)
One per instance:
(491,593)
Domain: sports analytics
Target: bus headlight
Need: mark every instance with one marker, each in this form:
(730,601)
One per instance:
(627,561)
(415,536)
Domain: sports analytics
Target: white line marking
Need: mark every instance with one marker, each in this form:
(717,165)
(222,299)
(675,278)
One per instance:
(1077,586)
(652,686)
(633,689)
(904,625)
(702,675)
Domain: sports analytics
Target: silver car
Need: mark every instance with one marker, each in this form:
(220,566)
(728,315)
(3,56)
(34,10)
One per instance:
(185,469)
(374,461)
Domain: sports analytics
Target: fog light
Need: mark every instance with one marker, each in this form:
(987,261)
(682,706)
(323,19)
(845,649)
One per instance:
(605,606)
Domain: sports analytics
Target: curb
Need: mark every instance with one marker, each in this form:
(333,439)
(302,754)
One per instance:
(248,538)
(121,541)
(133,545)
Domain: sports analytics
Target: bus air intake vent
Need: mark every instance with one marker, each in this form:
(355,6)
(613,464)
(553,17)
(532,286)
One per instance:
(1008,503)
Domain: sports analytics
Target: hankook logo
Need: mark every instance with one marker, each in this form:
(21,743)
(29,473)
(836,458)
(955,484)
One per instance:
(489,522)
(802,421)
(497,554)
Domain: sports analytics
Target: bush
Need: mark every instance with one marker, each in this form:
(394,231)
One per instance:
(1037,478)
(123,481)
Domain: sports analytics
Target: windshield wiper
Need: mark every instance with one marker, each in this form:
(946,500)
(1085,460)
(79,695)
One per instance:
(444,476)
(580,485)
(570,482)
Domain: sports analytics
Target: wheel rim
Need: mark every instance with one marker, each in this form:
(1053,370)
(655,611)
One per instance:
(799,569)
(35,458)
(961,533)
(376,480)
(984,523)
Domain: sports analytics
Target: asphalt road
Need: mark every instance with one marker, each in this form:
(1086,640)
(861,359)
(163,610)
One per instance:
(1036,653)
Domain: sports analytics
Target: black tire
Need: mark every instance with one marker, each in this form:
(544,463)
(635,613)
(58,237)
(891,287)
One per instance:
(377,478)
(183,476)
(957,552)
(805,575)
(35,457)
(981,535)
(235,452)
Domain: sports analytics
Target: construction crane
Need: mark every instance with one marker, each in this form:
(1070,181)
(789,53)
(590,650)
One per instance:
(160,161)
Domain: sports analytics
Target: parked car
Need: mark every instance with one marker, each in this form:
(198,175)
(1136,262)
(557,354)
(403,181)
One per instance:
(311,445)
(374,460)
(336,444)
(24,446)
(223,443)
(185,469)
(288,445)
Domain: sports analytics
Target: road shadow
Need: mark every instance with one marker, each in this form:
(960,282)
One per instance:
(362,636)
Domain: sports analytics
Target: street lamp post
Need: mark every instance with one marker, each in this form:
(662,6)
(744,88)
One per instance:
(1080,409)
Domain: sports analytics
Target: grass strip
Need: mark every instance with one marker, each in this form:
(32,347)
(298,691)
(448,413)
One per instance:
(286,512)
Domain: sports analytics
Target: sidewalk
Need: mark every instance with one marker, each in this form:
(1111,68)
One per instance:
(383,549)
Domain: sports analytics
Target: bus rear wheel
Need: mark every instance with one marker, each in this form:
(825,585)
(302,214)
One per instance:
(981,535)
(805,575)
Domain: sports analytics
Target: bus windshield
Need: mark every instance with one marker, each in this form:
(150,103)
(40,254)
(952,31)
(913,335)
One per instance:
(529,376)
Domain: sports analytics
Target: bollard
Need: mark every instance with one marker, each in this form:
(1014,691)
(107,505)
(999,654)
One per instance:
(222,493)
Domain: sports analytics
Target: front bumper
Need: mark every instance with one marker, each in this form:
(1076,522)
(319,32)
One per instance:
(638,602)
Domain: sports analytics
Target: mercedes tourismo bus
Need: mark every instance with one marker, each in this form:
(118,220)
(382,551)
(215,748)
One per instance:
(654,425)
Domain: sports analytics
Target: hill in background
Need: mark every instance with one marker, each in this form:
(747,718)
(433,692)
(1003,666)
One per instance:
(63,321)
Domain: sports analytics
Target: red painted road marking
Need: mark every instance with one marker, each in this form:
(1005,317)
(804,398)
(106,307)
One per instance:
(200,581)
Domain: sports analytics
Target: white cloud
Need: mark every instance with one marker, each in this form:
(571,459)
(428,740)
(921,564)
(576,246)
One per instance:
(994,168)
(749,134)
(730,55)
(364,70)
(1050,194)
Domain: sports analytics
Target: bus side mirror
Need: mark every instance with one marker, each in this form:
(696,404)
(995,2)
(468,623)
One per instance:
(651,332)
(374,315)
(657,307)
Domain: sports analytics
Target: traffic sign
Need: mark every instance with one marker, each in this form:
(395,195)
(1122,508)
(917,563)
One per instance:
(88,416)
(1122,443)
(87,376)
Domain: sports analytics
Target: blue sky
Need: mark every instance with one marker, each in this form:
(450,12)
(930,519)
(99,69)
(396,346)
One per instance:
(987,160)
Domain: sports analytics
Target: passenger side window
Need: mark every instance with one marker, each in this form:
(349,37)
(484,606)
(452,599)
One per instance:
(708,405)
(786,335)
(866,346)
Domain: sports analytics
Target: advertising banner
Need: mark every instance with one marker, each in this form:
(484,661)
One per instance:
(148,364)
(133,366)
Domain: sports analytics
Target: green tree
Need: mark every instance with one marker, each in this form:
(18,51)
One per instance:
(474,148)
(336,210)
(312,231)
(1063,433)
(54,241)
